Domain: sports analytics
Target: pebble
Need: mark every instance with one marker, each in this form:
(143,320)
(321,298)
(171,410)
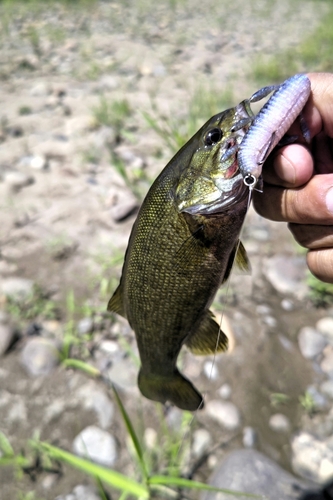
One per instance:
(210,370)
(18,180)
(225,413)
(95,399)
(85,326)
(327,363)
(7,337)
(40,89)
(279,423)
(150,438)
(311,458)
(123,209)
(252,472)
(202,440)
(286,274)
(325,326)
(123,374)
(319,400)
(250,437)
(225,391)
(326,388)
(109,346)
(310,342)
(37,162)
(97,445)
(39,356)
(18,288)
(287,305)
(81,492)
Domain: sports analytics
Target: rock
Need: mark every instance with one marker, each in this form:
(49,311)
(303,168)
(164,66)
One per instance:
(17,288)
(210,370)
(123,374)
(326,388)
(85,326)
(225,413)
(318,399)
(279,423)
(39,356)
(124,209)
(311,458)
(109,346)
(250,471)
(37,162)
(225,391)
(327,363)
(250,437)
(8,335)
(286,274)
(81,492)
(150,438)
(40,89)
(287,305)
(18,180)
(95,399)
(310,342)
(97,445)
(202,440)
(325,327)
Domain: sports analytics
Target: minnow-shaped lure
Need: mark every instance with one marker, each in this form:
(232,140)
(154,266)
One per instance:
(271,124)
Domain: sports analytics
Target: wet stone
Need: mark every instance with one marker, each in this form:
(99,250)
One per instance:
(39,356)
(97,445)
(310,342)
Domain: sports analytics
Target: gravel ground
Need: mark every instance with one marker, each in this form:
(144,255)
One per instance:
(88,98)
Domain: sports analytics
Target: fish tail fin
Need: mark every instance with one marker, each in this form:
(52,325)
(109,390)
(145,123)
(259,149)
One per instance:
(177,389)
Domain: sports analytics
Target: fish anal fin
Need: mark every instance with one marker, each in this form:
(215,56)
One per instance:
(116,302)
(175,388)
(208,338)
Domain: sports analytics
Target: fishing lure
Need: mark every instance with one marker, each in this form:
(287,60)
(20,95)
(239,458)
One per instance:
(271,124)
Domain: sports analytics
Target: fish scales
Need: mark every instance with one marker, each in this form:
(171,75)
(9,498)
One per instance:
(271,124)
(181,249)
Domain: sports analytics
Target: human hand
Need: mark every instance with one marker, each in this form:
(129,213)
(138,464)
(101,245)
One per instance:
(298,181)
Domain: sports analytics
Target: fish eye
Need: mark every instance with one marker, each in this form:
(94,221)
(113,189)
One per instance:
(213,136)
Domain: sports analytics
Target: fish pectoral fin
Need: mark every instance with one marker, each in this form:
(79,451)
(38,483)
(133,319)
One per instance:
(242,260)
(208,338)
(116,302)
(176,389)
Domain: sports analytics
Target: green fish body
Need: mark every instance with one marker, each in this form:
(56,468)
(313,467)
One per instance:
(181,249)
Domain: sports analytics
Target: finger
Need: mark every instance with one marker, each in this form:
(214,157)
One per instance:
(312,236)
(310,204)
(323,153)
(290,166)
(321,101)
(320,263)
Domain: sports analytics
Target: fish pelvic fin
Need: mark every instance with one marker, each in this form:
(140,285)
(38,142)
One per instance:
(208,338)
(242,260)
(116,302)
(176,389)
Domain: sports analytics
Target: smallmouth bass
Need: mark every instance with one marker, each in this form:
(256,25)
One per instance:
(181,249)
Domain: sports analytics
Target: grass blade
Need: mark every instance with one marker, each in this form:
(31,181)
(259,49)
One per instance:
(81,365)
(108,476)
(132,433)
(187,483)
(5,446)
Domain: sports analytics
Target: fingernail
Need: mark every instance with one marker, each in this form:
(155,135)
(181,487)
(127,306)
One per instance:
(285,169)
(329,200)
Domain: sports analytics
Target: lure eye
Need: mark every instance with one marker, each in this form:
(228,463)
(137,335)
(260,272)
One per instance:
(213,136)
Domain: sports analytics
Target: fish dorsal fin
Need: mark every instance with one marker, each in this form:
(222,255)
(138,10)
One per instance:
(208,338)
(116,302)
(242,260)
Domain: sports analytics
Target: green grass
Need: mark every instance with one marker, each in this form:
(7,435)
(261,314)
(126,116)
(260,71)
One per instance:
(36,305)
(314,53)
(320,293)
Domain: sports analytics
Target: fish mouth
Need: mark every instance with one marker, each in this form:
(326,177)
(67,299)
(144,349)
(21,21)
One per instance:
(231,192)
